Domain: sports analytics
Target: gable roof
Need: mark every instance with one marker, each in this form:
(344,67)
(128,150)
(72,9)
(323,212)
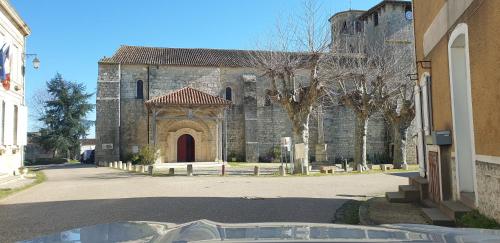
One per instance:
(195,56)
(180,56)
(187,96)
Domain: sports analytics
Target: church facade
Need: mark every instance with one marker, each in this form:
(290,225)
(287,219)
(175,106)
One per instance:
(204,105)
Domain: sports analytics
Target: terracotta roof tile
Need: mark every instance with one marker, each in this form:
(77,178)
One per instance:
(187,56)
(180,56)
(187,96)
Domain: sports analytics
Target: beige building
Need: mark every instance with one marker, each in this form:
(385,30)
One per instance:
(13,111)
(458,110)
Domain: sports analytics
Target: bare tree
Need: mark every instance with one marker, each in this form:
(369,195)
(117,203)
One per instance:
(37,105)
(364,82)
(397,100)
(297,48)
(399,111)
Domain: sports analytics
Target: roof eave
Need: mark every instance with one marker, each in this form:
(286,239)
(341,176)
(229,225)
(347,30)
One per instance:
(20,24)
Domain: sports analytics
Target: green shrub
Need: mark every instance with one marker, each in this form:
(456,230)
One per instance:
(474,219)
(49,161)
(133,157)
(147,155)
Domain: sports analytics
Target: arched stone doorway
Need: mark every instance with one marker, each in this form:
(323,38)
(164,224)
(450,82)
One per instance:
(185,148)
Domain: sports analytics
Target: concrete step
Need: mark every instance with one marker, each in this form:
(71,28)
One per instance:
(454,209)
(468,198)
(410,192)
(396,197)
(436,217)
(427,203)
(418,180)
(422,184)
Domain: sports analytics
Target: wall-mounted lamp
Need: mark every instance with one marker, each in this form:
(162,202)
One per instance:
(36,61)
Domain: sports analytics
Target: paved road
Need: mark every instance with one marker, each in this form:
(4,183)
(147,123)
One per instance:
(75,196)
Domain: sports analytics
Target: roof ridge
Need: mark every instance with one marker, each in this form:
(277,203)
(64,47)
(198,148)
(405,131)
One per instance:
(195,48)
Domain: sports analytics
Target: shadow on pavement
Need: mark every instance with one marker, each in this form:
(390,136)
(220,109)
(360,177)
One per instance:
(404,174)
(61,166)
(26,221)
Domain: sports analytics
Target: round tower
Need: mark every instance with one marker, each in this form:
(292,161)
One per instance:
(347,30)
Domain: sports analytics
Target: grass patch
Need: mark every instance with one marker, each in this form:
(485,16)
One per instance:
(40,177)
(474,219)
(348,213)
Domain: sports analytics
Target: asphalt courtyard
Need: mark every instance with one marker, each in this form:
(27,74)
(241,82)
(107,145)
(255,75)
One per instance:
(75,196)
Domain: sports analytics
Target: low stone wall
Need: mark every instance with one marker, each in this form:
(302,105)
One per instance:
(488,189)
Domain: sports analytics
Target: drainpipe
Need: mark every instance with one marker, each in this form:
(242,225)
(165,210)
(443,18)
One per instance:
(147,79)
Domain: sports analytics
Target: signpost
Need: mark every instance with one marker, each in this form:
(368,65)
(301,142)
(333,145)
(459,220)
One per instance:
(286,146)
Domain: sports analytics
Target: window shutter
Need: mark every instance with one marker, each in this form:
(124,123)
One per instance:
(9,124)
(22,125)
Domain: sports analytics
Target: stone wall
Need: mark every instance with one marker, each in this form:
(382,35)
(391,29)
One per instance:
(254,126)
(108,113)
(488,189)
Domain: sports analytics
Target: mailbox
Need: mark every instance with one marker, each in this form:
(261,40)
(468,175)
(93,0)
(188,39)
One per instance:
(438,138)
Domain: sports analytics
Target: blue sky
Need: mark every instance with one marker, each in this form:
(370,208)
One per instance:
(71,36)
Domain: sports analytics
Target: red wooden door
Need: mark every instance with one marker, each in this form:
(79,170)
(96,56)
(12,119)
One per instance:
(434,175)
(185,148)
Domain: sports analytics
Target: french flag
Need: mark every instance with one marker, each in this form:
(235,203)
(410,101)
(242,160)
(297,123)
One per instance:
(5,63)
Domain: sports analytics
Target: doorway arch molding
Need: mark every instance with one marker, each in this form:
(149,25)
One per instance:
(198,139)
(462,109)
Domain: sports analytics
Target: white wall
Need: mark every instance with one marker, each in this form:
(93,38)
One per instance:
(12,152)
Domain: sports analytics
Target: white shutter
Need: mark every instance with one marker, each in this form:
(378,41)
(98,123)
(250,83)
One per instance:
(22,125)
(9,124)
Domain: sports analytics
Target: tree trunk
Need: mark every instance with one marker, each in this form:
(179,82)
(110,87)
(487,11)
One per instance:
(301,135)
(399,141)
(360,142)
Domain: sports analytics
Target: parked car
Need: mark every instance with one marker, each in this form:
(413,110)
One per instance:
(208,231)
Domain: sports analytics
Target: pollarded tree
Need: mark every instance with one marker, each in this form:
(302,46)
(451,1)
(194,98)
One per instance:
(363,82)
(397,100)
(399,110)
(64,116)
(297,48)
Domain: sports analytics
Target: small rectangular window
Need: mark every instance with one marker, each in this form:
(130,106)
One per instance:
(375,19)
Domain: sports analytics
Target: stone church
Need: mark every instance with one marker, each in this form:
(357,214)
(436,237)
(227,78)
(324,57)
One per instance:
(204,105)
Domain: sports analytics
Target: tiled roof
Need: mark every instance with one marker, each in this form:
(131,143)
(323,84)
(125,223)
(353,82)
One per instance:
(190,56)
(180,56)
(187,96)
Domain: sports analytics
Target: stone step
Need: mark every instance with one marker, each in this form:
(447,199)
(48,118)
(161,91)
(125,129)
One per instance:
(410,192)
(454,209)
(436,217)
(468,198)
(396,197)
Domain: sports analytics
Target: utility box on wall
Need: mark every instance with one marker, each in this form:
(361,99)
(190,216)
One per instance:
(438,138)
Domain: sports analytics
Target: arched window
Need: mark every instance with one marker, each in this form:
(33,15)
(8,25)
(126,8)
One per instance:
(267,100)
(344,28)
(267,97)
(140,92)
(229,94)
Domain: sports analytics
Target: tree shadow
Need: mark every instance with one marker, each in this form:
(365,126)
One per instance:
(29,220)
